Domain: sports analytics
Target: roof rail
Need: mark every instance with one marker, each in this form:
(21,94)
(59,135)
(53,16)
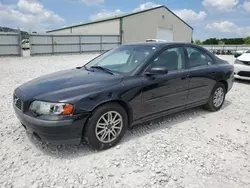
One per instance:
(155,40)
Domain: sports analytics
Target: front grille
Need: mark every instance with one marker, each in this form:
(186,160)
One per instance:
(18,102)
(246,62)
(244,73)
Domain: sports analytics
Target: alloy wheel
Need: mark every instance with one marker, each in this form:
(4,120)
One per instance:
(218,97)
(109,126)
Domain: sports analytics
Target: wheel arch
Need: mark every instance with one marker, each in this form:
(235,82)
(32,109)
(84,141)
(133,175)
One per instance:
(123,104)
(224,82)
(127,108)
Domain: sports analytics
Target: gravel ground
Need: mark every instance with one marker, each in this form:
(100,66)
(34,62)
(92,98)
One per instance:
(194,148)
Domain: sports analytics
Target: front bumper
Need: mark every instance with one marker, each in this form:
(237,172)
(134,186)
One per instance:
(238,69)
(58,132)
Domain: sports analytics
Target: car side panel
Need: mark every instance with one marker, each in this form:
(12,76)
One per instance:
(127,92)
(225,72)
(202,81)
(132,94)
(164,92)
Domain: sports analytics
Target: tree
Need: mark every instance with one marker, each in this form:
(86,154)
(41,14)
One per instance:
(227,41)
(221,42)
(232,41)
(198,42)
(247,40)
(211,41)
(24,35)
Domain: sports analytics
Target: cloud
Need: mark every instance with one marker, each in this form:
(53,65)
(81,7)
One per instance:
(229,27)
(89,2)
(220,5)
(30,6)
(28,14)
(105,13)
(246,6)
(145,6)
(190,15)
(185,14)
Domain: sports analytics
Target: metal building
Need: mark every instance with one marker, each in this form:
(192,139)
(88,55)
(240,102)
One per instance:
(154,23)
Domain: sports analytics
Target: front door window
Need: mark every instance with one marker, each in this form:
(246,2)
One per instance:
(171,58)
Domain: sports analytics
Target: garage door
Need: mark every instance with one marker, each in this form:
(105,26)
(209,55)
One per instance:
(165,34)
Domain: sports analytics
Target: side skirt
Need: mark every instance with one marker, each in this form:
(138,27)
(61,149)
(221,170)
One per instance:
(168,112)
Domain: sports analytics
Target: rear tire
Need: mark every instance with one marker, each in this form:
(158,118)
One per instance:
(217,98)
(106,126)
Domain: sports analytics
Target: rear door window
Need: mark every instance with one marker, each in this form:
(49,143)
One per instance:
(197,58)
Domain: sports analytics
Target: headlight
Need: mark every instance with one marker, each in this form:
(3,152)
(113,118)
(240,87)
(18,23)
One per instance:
(48,108)
(237,62)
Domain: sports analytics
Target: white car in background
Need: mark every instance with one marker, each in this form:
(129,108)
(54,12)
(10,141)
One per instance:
(239,53)
(242,66)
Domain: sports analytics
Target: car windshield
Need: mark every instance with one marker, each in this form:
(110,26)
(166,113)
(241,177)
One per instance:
(123,59)
(248,51)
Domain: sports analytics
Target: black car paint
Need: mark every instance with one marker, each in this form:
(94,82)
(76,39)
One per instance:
(164,92)
(143,97)
(68,85)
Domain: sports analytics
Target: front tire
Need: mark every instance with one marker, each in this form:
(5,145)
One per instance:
(217,98)
(106,126)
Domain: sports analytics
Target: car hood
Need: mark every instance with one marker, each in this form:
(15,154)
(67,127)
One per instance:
(244,57)
(67,84)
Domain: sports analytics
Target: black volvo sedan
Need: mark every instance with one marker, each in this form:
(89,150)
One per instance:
(128,85)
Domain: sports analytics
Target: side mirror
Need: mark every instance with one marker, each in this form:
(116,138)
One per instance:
(157,71)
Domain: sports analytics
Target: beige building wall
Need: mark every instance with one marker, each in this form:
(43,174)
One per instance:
(182,32)
(111,27)
(139,27)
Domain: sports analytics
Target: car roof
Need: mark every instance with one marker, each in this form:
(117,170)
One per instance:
(161,45)
(158,44)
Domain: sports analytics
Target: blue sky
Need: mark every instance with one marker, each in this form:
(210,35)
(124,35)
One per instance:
(209,18)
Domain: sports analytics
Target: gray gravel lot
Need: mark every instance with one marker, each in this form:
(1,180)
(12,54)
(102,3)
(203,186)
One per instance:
(194,148)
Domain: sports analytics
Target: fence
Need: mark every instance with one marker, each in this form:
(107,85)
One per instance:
(10,44)
(57,44)
(231,48)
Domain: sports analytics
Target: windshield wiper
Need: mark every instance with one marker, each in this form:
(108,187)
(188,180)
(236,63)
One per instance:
(103,69)
(84,68)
